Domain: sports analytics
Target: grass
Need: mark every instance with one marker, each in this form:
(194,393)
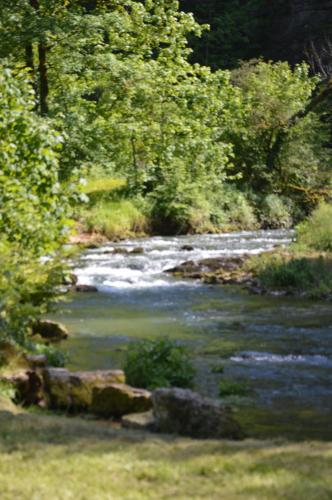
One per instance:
(316,232)
(115,219)
(232,388)
(52,457)
(306,273)
(109,212)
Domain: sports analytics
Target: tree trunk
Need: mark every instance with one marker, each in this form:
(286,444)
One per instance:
(43,79)
(42,88)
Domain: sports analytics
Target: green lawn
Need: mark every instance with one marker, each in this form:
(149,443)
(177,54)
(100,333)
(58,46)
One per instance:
(53,457)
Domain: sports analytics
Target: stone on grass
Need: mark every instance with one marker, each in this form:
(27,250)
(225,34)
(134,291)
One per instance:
(28,386)
(139,421)
(187,413)
(116,400)
(73,391)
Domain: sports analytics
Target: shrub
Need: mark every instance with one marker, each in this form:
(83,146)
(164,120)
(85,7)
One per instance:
(158,363)
(33,209)
(308,274)
(238,209)
(54,356)
(274,213)
(231,388)
(316,232)
(7,390)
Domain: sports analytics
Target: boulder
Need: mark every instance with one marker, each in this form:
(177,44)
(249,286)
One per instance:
(139,421)
(37,360)
(187,248)
(86,289)
(120,250)
(187,413)
(73,391)
(50,330)
(137,250)
(28,386)
(116,400)
(192,268)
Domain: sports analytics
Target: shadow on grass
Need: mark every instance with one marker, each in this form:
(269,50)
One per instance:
(92,460)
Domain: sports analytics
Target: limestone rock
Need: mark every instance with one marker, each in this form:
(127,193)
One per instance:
(185,412)
(37,360)
(137,250)
(73,391)
(28,386)
(50,330)
(116,400)
(86,289)
(139,421)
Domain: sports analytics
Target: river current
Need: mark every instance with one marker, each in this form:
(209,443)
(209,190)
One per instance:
(280,348)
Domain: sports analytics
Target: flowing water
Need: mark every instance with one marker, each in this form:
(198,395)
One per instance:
(280,347)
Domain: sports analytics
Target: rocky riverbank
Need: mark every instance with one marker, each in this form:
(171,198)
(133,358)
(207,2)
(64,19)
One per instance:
(105,394)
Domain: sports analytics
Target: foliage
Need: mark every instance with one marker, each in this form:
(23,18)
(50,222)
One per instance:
(114,219)
(54,356)
(158,363)
(235,31)
(237,208)
(274,213)
(267,97)
(33,211)
(7,390)
(316,232)
(231,388)
(308,274)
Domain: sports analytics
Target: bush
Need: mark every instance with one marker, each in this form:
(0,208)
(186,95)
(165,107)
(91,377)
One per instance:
(238,209)
(7,390)
(316,232)
(158,363)
(55,357)
(33,209)
(274,213)
(308,274)
(231,388)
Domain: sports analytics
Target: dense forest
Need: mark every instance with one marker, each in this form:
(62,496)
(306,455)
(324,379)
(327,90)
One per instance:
(171,119)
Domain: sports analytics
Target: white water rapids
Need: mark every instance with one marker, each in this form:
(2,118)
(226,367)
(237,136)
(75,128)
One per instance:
(115,271)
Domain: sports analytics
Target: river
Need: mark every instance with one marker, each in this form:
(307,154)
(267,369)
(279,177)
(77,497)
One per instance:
(279,347)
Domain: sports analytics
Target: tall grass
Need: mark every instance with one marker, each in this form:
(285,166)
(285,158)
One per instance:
(115,219)
(316,232)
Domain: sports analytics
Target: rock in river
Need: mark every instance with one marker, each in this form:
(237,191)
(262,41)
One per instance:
(50,330)
(185,412)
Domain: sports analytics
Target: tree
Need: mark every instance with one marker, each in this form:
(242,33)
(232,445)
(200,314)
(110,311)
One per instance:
(33,209)
(278,139)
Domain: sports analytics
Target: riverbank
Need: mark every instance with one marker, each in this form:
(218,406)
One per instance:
(112,213)
(57,457)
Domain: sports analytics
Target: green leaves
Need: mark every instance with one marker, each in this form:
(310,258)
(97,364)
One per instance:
(33,208)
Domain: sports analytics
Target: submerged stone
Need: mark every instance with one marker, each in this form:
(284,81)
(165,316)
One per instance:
(86,289)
